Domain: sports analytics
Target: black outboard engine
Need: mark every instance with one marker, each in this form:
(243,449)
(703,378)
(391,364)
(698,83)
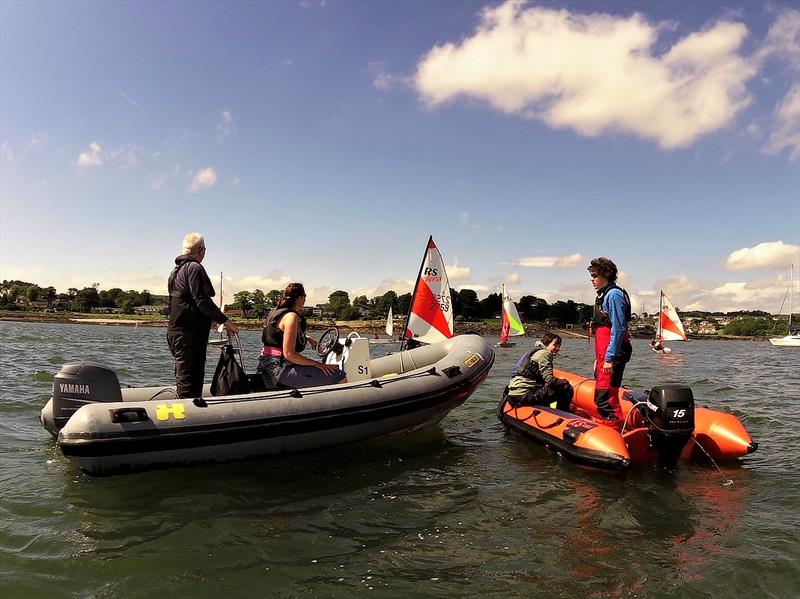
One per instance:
(81,383)
(671,421)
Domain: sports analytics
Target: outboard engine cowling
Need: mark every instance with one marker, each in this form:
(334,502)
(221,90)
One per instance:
(671,421)
(81,383)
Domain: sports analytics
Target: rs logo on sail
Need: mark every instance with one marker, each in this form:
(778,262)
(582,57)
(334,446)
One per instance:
(72,388)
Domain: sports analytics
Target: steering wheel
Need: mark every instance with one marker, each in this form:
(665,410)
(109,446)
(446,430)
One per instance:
(327,342)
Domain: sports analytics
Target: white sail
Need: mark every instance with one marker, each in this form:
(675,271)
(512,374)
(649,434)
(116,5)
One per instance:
(430,317)
(670,327)
(511,316)
(390,323)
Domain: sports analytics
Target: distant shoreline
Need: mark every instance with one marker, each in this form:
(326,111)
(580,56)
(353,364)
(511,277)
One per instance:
(370,327)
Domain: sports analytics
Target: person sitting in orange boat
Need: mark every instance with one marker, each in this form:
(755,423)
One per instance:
(532,381)
(281,363)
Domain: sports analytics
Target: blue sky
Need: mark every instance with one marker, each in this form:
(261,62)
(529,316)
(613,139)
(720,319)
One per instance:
(323,142)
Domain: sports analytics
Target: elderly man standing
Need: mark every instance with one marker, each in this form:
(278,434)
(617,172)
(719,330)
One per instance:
(191,312)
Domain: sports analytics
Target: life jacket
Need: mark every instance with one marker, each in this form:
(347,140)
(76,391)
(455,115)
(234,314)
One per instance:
(601,318)
(272,336)
(528,368)
(183,311)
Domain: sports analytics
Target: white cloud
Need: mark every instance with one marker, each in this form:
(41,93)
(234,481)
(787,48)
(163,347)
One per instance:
(128,156)
(594,73)
(511,278)
(463,218)
(275,280)
(157,182)
(387,81)
(398,285)
(782,40)
(204,178)
(236,181)
(458,273)
(687,294)
(6,153)
(570,261)
(785,134)
(478,288)
(63,280)
(225,126)
(769,254)
(38,140)
(92,157)
(310,4)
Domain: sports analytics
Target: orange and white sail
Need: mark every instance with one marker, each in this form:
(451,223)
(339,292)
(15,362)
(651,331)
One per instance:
(670,327)
(512,324)
(430,317)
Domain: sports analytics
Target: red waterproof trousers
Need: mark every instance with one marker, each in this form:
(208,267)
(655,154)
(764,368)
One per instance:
(606,390)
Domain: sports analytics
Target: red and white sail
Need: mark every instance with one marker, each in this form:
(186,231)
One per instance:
(431,315)
(670,327)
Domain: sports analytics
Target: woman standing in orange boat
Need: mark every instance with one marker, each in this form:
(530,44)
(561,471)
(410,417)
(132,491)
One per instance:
(612,313)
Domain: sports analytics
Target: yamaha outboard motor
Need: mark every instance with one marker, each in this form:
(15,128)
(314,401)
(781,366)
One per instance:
(81,383)
(671,421)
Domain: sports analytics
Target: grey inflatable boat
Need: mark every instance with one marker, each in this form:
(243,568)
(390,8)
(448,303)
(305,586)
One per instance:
(106,429)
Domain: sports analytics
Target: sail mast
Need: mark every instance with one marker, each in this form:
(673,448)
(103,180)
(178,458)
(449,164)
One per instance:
(413,293)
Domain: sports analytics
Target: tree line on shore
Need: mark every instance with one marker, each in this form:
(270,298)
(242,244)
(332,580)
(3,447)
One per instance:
(255,304)
(21,295)
(465,304)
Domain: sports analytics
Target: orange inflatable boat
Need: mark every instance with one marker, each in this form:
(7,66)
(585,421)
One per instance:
(662,425)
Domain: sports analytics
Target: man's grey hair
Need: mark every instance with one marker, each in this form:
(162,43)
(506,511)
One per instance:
(191,242)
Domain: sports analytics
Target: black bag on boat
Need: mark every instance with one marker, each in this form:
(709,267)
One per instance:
(229,377)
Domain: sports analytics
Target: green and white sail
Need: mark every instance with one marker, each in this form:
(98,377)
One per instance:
(512,324)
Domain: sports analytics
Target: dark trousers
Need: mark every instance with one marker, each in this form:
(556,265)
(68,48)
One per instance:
(559,391)
(189,350)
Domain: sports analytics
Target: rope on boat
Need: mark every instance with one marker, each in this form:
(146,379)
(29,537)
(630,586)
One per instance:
(297,393)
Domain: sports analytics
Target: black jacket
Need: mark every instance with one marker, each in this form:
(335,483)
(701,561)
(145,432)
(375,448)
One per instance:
(190,293)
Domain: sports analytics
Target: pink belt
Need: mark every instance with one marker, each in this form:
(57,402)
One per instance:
(270,351)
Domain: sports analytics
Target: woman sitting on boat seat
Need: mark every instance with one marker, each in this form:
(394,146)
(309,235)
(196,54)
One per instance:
(281,364)
(532,381)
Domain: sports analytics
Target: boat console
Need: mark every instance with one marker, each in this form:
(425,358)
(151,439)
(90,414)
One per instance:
(351,354)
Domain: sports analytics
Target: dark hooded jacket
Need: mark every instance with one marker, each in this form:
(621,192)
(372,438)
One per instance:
(190,293)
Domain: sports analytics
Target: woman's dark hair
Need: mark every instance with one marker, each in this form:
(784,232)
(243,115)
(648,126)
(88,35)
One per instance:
(603,267)
(290,294)
(548,338)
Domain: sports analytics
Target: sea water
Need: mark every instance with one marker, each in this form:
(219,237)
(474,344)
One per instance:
(462,509)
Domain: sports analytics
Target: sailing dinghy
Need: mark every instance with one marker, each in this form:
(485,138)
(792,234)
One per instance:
(389,331)
(512,323)
(670,327)
(793,338)
(430,315)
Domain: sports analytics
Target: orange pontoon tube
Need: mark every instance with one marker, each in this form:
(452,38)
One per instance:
(661,426)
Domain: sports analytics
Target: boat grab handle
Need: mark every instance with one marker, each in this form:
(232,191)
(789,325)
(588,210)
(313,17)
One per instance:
(452,371)
(556,422)
(122,415)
